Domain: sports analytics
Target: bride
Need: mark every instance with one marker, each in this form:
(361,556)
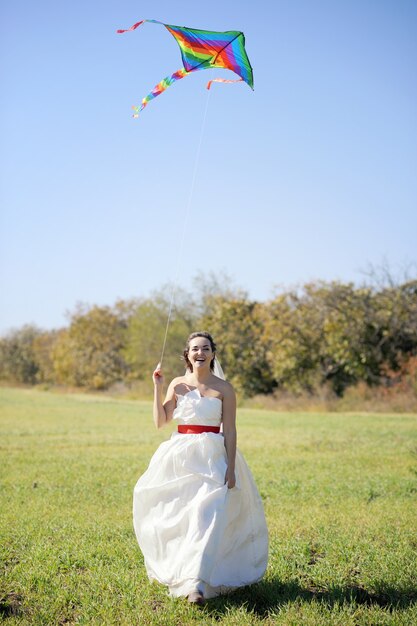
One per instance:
(197,513)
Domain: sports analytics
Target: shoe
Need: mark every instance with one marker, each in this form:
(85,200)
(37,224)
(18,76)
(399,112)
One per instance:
(196,598)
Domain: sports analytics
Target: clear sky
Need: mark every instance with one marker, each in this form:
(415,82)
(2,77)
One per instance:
(311,176)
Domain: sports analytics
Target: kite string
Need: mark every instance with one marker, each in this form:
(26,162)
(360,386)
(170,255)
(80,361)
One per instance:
(185,225)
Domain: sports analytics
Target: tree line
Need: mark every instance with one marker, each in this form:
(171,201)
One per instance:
(332,334)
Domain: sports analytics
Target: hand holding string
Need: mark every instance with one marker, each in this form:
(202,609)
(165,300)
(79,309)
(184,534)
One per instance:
(157,376)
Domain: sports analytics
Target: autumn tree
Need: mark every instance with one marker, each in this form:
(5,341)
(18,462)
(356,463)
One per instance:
(237,328)
(339,333)
(394,330)
(145,335)
(43,347)
(89,353)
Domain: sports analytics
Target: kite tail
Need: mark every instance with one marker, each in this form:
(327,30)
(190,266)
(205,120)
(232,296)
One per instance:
(160,87)
(223,80)
(135,26)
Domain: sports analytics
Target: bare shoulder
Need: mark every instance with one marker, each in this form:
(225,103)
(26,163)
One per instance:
(179,384)
(179,380)
(226,389)
(174,385)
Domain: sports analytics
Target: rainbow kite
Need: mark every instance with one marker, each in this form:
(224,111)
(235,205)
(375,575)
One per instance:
(201,50)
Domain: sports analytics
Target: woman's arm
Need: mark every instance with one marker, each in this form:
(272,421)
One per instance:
(229,432)
(162,410)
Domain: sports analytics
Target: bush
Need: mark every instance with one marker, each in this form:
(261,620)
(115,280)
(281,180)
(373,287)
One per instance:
(18,363)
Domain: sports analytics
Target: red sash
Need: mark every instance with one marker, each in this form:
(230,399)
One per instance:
(194,429)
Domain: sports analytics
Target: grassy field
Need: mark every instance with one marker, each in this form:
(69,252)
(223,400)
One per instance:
(339,494)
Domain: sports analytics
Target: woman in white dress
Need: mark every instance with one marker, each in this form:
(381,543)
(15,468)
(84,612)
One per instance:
(197,513)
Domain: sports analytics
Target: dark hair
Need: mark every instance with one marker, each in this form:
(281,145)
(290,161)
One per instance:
(204,334)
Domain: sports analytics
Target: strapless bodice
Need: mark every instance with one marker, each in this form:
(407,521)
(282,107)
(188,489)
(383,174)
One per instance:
(193,408)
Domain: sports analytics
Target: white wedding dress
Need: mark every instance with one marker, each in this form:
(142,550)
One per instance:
(194,532)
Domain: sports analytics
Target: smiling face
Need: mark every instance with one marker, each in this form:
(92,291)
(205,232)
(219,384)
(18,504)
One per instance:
(199,352)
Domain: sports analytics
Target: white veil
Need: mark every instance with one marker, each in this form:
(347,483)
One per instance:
(217,369)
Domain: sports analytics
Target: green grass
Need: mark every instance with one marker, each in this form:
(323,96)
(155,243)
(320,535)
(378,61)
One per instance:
(339,494)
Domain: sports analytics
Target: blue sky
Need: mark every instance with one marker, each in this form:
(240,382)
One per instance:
(311,176)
